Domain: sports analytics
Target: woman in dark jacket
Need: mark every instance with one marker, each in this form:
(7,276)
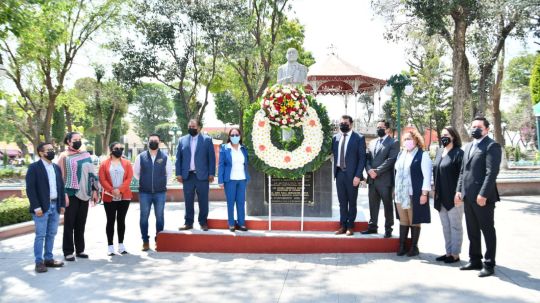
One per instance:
(445,176)
(233,175)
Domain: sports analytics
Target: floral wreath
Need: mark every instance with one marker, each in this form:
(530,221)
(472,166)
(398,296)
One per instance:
(285,107)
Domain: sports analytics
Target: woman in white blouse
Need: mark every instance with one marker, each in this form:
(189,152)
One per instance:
(412,185)
(233,176)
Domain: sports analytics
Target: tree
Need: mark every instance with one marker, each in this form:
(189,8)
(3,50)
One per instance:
(228,109)
(153,105)
(535,82)
(180,42)
(42,53)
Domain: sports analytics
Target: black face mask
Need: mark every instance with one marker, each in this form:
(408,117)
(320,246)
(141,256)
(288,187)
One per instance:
(381,132)
(117,152)
(193,131)
(49,155)
(344,127)
(153,145)
(476,133)
(445,141)
(77,145)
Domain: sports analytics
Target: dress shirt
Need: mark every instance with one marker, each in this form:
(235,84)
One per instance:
(238,160)
(137,166)
(347,138)
(193,149)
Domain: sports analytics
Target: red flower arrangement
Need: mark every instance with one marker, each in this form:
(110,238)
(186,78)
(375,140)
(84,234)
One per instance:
(284,105)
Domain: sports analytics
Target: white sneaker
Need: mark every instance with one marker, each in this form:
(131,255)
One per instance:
(121,249)
(111,250)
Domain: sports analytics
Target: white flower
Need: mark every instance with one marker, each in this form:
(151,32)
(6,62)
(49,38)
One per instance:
(286,91)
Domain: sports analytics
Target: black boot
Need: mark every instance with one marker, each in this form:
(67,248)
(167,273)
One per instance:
(415,235)
(403,233)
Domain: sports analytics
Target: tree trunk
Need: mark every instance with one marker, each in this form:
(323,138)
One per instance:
(69,119)
(496,101)
(460,82)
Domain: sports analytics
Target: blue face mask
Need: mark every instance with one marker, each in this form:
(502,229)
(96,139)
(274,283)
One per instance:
(235,140)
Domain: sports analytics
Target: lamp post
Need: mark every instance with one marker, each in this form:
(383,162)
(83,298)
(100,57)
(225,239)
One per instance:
(398,84)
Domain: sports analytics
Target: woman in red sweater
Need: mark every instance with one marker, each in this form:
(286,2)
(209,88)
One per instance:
(115,175)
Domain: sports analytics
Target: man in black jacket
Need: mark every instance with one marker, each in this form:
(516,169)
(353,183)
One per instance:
(45,191)
(477,188)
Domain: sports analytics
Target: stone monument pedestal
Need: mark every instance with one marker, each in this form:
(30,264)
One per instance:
(286,197)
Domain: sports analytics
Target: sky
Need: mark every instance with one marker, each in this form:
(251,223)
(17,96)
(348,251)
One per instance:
(349,25)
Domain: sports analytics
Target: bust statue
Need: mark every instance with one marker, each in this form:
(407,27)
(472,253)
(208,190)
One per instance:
(292,72)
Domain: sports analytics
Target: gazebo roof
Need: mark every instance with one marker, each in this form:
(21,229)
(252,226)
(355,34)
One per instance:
(337,76)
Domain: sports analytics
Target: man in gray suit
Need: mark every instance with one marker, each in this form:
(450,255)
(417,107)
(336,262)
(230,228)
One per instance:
(382,155)
(477,188)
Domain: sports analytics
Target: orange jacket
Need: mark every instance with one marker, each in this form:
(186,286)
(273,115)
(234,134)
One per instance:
(106,181)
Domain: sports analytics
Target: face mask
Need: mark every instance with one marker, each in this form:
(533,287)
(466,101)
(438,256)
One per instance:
(408,144)
(345,128)
(381,132)
(476,133)
(235,140)
(193,131)
(153,145)
(77,145)
(118,152)
(445,141)
(50,155)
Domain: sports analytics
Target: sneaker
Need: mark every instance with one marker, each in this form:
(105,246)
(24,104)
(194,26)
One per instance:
(121,249)
(110,250)
(41,268)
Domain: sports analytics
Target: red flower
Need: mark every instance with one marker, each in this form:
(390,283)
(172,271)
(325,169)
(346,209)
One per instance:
(261,123)
(287,159)
(262,147)
(308,149)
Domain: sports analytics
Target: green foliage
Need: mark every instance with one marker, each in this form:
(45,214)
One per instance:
(535,82)
(517,154)
(228,110)
(326,148)
(14,210)
(153,104)
(59,125)
(5,158)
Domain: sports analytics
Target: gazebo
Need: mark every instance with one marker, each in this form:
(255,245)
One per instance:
(335,76)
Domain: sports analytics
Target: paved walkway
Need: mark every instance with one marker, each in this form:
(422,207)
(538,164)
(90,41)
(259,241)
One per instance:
(197,277)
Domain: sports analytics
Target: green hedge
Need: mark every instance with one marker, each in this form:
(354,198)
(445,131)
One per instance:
(14,210)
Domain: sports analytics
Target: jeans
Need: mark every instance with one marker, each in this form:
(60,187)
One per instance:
(235,191)
(46,227)
(146,200)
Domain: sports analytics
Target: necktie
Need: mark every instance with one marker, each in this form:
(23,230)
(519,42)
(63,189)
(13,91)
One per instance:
(342,152)
(473,149)
(378,145)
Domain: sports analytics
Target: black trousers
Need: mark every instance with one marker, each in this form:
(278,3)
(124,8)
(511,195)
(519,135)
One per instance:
(480,220)
(74,224)
(347,195)
(376,193)
(116,210)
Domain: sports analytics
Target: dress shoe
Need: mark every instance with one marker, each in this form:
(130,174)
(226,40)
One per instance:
(341,231)
(82,255)
(185,227)
(145,246)
(368,231)
(41,268)
(442,258)
(388,234)
(349,232)
(69,258)
(471,266)
(486,271)
(54,263)
(242,228)
(232,228)
(204,227)
(451,259)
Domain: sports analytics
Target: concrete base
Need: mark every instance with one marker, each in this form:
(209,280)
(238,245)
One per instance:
(322,196)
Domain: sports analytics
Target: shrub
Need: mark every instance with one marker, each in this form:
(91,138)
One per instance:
(517,154)
(14,210)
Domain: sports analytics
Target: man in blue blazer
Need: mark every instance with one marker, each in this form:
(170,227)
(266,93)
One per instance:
(45,191)
(349,149)
(195,168)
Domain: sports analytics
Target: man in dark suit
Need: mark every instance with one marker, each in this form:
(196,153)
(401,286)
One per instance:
(349,149)
(477,188)
(382,155)
(195,168)
(45,191)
